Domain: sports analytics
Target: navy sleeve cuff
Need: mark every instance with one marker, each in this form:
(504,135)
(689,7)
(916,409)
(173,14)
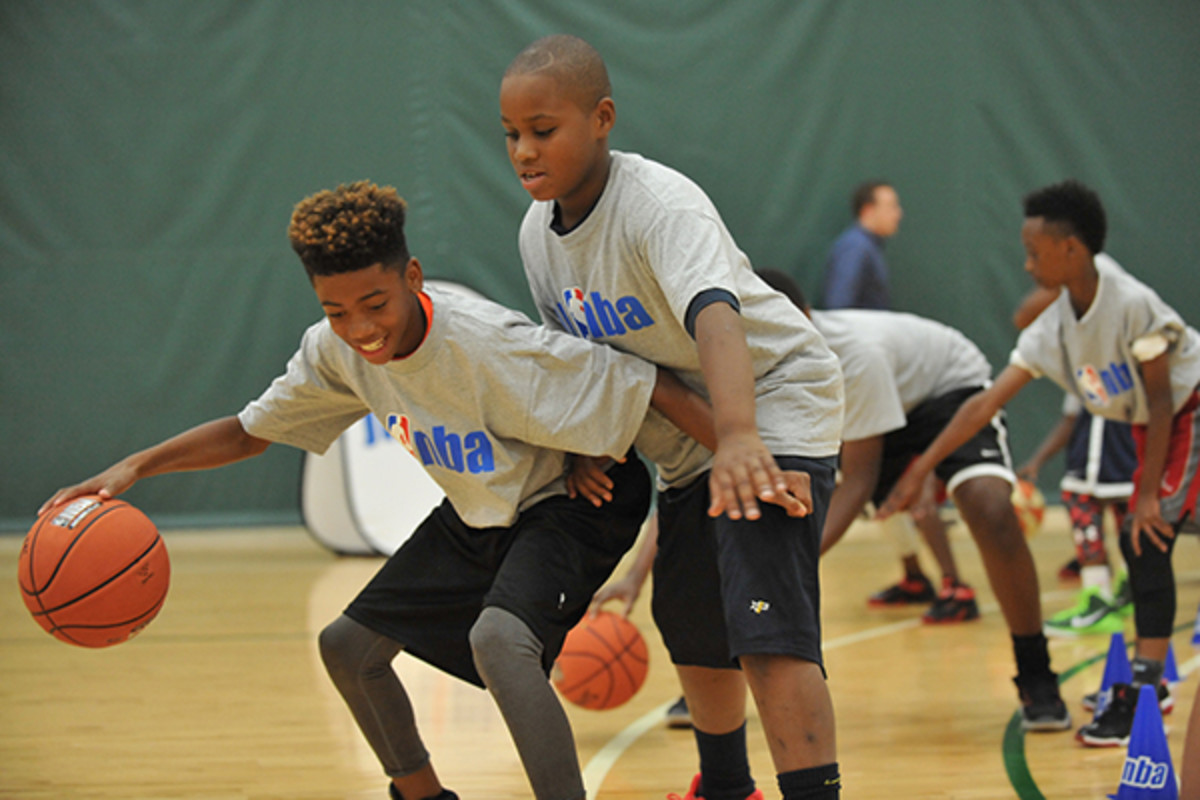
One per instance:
(705,299)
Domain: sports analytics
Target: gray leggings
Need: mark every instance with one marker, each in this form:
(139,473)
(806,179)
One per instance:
(509,658)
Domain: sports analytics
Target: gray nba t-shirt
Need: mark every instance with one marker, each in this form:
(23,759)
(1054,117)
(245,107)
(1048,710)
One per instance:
(627,276)
(489,403)
(1096,356)
(893,362)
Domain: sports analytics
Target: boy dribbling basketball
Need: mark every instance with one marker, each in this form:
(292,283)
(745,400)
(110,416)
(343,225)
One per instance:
(489,584)
(625,251)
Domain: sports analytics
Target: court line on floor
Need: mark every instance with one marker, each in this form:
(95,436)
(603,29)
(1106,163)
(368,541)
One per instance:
(599,765)
(1012,747)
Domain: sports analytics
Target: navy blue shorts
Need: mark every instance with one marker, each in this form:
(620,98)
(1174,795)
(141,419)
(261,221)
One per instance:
(544,568)
(726,588)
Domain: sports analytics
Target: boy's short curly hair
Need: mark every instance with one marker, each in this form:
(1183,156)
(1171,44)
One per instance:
(350,228)
(1075,208)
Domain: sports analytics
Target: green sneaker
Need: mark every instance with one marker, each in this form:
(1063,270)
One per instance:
(1123,596)
(1090,614)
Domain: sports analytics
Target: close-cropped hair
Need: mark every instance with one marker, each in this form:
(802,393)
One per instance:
(571,61)
(864,195)
(1075,208)
(783,283)
(352,227)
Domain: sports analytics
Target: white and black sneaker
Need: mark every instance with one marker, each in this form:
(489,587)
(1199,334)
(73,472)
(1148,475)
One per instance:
(1112,727)
(1042,706)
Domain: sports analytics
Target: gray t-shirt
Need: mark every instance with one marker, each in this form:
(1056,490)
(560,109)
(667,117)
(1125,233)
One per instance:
(893,362)
(628,274)
(1096,357)
(489,403)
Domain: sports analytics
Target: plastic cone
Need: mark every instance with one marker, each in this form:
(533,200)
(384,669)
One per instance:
(1117,669)
(1196,630)
(1170,668)
(1147,773)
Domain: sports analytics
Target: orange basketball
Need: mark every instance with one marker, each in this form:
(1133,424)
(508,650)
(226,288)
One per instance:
(1029,505)
(603,662)
(93,572)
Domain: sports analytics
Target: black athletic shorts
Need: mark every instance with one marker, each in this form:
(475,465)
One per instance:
(726,588)
(986,453)
(544,568)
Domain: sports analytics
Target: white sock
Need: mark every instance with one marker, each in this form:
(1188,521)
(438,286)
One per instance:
(1100,576)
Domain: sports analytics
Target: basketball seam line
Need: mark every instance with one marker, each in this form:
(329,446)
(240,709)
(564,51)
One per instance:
(99,586)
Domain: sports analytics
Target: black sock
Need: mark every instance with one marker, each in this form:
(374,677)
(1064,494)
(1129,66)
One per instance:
(724,765)
(445,794)
(1033,655)
(815,783)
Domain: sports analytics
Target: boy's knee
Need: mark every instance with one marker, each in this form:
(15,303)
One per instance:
(500,635)
(349,649)
(331,643)
(986,504)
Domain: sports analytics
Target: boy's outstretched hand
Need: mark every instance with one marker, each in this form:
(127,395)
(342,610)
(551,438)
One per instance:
(626,590)
(109,483)
(744,472)
(906,492)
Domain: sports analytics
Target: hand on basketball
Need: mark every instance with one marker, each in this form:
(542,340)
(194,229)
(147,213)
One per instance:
(587,477)
(626,590)
(1148,520)
(743,472)
(109,483)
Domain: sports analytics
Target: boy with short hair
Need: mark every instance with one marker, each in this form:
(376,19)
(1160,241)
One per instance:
(489,584)
(1112,342)
(623,250)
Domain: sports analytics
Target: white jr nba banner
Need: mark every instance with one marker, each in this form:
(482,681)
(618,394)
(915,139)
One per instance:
(367,493)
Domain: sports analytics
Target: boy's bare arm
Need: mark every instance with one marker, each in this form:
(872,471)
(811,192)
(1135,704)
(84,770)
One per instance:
(967,421)
(212,444)
(1147,515)
(743,468)
(1033,304)
(685,409)
(861,459)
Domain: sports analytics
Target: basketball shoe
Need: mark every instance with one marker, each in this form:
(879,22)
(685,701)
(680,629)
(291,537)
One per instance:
(1111,728)
(955,603)
(695,787)
(1166,701)
(394,794)
(1092,613)
(910,591)
(1069,572)
(1042,707)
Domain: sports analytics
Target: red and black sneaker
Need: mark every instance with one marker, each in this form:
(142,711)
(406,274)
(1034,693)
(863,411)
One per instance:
(910,591)
(1069,572)
(955,603)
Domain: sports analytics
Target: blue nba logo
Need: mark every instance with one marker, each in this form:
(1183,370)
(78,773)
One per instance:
(1092,386)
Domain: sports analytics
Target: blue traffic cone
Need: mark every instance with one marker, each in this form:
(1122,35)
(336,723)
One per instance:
(1147,773)
(1196,630)
(1116,670)
(1170,668)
